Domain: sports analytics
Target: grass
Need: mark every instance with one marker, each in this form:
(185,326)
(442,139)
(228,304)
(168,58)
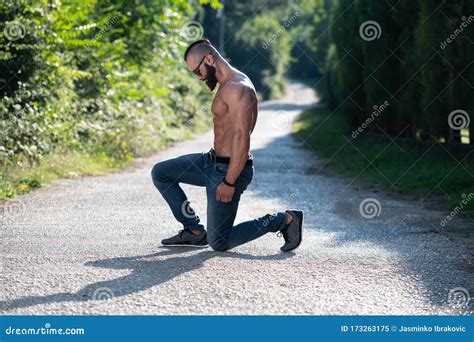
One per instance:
(399,167)
(22,179)
(17,180)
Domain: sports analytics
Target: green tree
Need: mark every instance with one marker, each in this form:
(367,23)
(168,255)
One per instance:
(102,77)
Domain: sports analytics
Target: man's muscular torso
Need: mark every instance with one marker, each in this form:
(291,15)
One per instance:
(223,105)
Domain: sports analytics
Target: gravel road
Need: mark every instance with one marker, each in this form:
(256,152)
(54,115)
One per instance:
(91,245)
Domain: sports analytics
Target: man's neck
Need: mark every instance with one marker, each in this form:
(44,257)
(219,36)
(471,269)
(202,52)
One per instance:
(224,71)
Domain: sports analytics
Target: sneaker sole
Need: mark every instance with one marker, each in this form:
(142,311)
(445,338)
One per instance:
(183,245)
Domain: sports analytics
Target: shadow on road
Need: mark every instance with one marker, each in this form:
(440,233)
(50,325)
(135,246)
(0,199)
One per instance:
(146,272)
(273,106)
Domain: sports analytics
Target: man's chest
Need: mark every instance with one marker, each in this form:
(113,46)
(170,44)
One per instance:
(219,108)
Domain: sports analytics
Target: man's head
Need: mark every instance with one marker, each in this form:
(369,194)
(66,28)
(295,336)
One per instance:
(201,58)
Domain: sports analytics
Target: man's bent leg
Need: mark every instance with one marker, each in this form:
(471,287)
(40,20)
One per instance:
(166,177)
(221,232)
(223,235)
(251,230)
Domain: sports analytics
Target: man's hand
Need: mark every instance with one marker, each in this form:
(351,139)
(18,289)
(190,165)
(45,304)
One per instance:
(224,193)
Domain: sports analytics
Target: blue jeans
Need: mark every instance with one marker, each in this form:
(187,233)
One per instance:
(197,169)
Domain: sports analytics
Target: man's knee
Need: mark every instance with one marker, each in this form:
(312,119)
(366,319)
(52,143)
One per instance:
(218,244)
(157,172)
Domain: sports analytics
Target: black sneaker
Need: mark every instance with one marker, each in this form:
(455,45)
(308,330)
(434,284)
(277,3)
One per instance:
(293,232)
(186,238)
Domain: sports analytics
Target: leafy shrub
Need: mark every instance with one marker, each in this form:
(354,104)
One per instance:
(94,76)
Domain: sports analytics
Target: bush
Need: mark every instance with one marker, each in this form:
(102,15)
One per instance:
(266,43)
(102,77)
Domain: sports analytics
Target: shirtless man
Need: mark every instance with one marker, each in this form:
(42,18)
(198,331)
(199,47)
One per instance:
(226,170)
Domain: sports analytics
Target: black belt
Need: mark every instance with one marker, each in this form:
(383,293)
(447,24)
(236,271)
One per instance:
(211,155)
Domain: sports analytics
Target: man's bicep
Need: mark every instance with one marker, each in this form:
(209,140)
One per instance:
(240,111)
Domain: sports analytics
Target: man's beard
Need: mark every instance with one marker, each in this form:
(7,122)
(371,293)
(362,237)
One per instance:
(211,79)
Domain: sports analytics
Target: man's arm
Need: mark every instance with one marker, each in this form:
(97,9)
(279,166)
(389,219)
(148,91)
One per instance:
(239,103)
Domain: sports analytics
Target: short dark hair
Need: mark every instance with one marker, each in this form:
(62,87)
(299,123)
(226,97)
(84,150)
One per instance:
(200,41)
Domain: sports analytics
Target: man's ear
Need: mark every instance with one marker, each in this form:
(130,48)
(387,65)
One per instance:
(210,59)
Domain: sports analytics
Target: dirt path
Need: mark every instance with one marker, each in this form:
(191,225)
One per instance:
(77,241)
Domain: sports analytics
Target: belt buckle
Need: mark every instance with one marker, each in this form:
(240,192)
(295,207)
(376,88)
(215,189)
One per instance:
(212,155)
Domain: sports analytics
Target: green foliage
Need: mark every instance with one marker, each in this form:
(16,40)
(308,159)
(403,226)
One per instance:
(266,40)
(446,76)
(258,38)
(22,179)
(103,77)
(347,71)
(409,63)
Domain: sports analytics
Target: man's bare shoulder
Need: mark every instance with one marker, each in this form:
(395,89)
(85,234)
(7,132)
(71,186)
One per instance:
(238,90)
